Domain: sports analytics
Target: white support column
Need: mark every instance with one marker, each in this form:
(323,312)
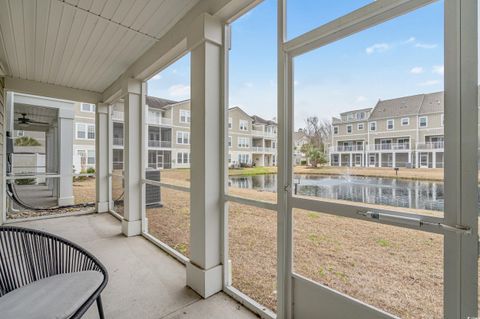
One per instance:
(434,159)
(350,157)
(102,157)
(65,154)
(461,156)
(394,159)
(204,270)
(132,217)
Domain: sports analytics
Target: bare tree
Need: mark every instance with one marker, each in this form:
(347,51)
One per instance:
(318,131)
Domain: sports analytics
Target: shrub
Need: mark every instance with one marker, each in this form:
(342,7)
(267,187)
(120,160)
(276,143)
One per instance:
(90,170)
(27,141)
(25,181)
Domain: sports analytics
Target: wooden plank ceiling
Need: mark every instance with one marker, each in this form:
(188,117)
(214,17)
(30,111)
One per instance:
(83,44)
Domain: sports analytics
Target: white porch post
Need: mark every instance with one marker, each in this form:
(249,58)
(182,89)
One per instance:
(132,218)
(394,159)
(204,270)
(65,154)
(102,157)
(351,155)
(434,159)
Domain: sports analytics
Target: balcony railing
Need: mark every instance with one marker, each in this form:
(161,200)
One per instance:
(257,149)
(431,145)
(118,141)
(162,144)
(389,146)
(263,133)
(155,120)
(347,148)
(117,115)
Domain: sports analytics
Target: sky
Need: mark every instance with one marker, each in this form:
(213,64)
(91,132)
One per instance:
(400,57)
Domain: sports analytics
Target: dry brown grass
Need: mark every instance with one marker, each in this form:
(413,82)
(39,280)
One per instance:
(395,269)
(84,191)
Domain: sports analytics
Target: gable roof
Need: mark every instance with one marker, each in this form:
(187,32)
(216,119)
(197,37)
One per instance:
(432,103)
(258,120)
(239,109)
(158,103)
(408,105)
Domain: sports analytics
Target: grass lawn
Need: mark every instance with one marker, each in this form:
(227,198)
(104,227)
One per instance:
(395,269)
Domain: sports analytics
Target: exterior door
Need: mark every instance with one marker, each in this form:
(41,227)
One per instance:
(160,161)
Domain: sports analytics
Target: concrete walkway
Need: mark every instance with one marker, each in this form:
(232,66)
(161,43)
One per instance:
(144,281)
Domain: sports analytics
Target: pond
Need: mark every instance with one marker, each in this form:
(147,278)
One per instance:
(372,190)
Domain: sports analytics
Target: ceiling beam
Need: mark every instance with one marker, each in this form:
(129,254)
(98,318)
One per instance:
(51,90)
(173,43)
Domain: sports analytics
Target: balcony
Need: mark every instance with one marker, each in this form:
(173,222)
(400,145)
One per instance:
(389,147)
(259,149)
(155,120)
(151,278)
(159,144)
(347,148)
(264,134)
(118,116)
(431,145)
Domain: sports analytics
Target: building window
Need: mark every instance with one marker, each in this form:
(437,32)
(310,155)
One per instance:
(183,138)
(184,116)
(405,121)
(229,141)
(20,133)
(360,126)
(422,121)
(390,125)
(91,157)
(243,125)
(230,122)
(335,130)
(243,142)
(91,132)
(183,158)
(85,131)
(373,126)
(243,158)
(349,129)
(86,107)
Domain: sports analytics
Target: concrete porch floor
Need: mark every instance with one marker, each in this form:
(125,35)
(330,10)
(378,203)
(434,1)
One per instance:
(144,282)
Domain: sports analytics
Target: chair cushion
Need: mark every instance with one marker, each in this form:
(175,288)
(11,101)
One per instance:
(58,297)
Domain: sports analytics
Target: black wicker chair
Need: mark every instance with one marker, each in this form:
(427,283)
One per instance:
(28,256)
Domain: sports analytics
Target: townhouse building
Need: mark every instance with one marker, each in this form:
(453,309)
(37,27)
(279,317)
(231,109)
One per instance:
(252,139)
(400,132)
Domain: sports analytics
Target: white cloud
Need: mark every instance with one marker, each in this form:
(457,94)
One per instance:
(410,40)
(426,45)
(378,48)
(438,69)
(248,84)
(179,91)
(296,83)
(157,77)
(417,70)
(429,83)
